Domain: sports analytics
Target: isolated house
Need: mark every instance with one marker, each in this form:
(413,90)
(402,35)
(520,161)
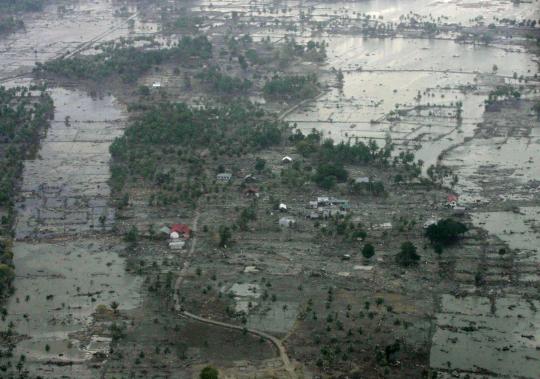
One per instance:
(223,177)
(283,207)
(451,201)
(286,159)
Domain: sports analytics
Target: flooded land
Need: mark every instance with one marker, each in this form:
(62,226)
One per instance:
(270,189)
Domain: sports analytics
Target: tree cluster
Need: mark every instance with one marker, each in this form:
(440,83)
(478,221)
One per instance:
(125,61)
(445,232)
(291,87)
(223,83)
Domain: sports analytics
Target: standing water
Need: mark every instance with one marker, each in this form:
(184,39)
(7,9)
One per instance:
(65,265)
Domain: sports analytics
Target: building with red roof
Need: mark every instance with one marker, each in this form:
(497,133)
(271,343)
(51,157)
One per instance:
(182,229)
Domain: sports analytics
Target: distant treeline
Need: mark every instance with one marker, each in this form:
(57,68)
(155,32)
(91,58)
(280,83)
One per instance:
(125,62)
(23,117)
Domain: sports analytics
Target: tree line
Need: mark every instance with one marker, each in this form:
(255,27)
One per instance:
(124,60)
(23,117)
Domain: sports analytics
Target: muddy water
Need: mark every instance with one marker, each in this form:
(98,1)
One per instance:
(382,76)
(65,264)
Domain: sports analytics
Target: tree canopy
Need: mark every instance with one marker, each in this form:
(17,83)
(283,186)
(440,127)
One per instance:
(407,255)
(445,232)
(124,60)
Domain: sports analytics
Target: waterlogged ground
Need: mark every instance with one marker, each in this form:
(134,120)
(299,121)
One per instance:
(59,284)
(388,75)
(65,268)
(65,265)
(65,189)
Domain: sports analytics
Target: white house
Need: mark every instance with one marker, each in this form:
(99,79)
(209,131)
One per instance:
(286,159)
(177,244)
(362,180)
(283,207)
(223,177)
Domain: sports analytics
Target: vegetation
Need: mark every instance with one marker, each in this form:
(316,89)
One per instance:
(10,24)
(179,133)
(312,51)
(124,60)
(445,232)
(209,373)
(368,251)
(23,117)
(329,174)
(292,87)
(505,92)
(223,83)
(330,158)
(407,255)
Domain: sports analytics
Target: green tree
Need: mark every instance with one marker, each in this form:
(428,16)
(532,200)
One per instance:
(368,251)
(132,235)
(260,164)
(445,232)
(225,236)
(407,255)
(209,373)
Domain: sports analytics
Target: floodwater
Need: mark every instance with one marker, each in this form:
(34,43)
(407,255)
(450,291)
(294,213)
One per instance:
(385,75)
(66,267)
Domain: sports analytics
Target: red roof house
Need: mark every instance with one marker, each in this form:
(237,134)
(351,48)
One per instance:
(181,229)
(452,198)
